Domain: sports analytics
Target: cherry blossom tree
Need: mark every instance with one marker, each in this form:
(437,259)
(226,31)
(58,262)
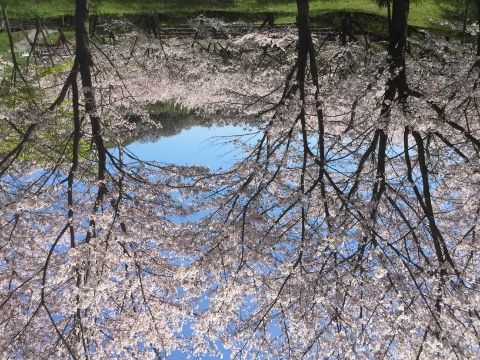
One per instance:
(347,229)
(342,234)
(76,274)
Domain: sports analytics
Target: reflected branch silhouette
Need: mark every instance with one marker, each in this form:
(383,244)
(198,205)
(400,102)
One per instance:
(347,228)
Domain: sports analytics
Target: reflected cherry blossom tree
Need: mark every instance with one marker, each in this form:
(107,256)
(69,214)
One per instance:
(347,230)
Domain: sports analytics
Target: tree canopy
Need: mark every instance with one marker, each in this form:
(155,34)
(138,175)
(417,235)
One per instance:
(347,228)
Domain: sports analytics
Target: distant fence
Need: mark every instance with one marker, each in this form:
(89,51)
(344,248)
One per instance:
(230,30)
(19,25)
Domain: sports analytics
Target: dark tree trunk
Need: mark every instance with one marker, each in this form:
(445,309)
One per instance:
(269,20)
(84,62)
(465,18)
(478,22)
(306,54)
(16,68)
(396,50)
(346,29)
(396,90)
(93,25)
(304,38)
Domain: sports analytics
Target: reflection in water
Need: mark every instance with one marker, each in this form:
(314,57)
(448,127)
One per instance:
(199,145)
(347,228)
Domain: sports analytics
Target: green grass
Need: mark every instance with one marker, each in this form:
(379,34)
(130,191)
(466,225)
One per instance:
(4,45)
(420,11)
(28,9)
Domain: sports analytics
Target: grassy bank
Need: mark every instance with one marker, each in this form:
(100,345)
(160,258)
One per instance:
(421,10)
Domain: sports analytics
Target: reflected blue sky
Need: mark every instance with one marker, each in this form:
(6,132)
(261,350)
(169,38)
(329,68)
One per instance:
(207,146)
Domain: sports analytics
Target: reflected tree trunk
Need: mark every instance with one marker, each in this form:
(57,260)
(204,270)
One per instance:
(478,22)
(396,49)
(83,63)
(465,18)
(306,54)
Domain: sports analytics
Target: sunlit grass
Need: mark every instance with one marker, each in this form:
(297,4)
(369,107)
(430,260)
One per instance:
(29,9)
(420,11)
(4,45)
